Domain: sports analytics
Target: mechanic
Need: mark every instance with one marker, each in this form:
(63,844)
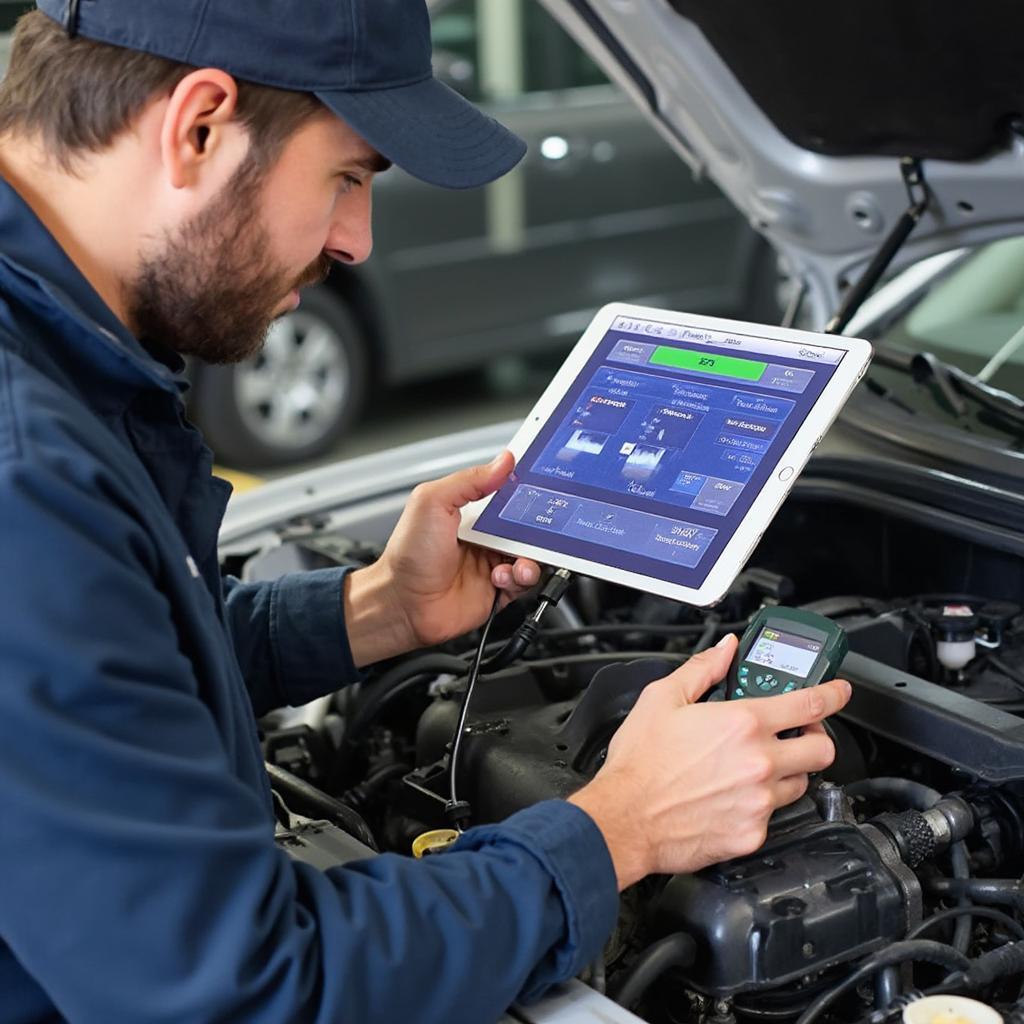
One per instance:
(173,174)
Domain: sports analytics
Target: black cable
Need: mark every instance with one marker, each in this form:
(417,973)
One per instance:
(899,952)
(985,913)
(522,639)
(615,628)
(598,658)
(677,950)
(619,628)
(458,811)
(707,638)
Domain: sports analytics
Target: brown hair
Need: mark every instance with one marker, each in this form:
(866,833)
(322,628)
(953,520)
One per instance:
(78,95)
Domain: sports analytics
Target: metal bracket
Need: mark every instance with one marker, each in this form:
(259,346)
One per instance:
(913,181)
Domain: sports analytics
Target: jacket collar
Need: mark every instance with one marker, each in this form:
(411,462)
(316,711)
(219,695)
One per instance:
(35,270)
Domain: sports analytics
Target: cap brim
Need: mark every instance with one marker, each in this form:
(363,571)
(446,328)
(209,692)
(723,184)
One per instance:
(431,132)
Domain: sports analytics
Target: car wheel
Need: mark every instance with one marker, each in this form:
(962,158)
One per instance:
(295,399)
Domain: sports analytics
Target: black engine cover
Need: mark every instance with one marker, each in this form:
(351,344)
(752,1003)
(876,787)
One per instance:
(816,894)
(521,746)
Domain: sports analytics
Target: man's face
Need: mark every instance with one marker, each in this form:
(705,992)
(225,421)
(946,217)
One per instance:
(212,286)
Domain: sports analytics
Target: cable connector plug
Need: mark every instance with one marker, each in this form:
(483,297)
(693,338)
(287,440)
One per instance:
(554,589)
(522,639)
(458,812)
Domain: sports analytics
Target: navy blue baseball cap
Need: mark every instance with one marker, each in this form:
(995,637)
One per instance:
(366,60)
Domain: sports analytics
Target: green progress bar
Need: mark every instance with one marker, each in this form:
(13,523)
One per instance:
(723,366)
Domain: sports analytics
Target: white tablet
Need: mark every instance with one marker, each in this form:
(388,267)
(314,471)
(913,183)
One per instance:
(664,446)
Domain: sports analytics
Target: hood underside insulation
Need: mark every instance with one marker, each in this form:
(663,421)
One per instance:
(927,78)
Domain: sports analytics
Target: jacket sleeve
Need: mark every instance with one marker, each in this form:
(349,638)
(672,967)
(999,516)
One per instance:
(139,877)
(290,638)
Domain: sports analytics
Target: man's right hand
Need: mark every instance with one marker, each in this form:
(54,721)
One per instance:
(686,785)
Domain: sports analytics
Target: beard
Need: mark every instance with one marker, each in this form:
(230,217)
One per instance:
(212,289)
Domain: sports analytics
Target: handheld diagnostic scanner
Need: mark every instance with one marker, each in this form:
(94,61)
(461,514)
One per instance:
(785,649)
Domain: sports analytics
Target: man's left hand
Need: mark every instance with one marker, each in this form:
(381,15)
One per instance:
(429,587)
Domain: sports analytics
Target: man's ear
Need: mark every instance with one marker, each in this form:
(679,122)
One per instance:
(194,130)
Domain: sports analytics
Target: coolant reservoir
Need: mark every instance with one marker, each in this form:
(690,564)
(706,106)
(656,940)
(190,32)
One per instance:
(950,1010)
(955,629)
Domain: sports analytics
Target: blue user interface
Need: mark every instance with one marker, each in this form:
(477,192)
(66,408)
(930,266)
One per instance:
(660,446)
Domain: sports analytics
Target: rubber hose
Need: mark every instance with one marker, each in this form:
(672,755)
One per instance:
(309,801)
(1000,891)
(923,950)
(961,872)
(995,964)
(920,797)
(887,987)
(676,950)
(915,795)
(985,913)
(392,685)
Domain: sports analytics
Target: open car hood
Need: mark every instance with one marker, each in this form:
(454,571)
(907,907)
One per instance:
(801,112)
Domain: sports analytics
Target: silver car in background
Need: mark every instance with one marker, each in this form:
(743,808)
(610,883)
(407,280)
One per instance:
(600,210)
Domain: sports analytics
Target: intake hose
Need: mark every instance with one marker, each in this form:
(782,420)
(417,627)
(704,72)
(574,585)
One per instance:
(307,800)
(921,797)
(407,675)
(904,791)
(995,964)
(676,950)
(984,970)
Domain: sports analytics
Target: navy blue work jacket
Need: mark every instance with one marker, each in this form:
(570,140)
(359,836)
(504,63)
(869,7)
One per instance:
(139,880)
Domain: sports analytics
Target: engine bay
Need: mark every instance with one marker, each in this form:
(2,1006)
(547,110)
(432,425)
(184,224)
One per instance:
(898,874)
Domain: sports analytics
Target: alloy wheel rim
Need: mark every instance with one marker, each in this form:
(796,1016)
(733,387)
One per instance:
(292,393)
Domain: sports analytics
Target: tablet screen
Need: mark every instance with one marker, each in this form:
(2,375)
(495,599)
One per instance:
(660,446)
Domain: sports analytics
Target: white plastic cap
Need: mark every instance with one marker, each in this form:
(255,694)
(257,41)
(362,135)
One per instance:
(950,1010)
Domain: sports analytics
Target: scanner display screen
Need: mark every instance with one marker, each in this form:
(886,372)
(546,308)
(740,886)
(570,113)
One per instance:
(660,446)
(785,652)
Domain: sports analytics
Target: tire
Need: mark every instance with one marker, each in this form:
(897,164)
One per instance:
(295,399)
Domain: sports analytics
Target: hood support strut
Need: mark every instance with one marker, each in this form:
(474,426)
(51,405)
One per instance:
(918,194)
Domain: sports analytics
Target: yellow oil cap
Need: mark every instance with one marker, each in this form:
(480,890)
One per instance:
(434,841)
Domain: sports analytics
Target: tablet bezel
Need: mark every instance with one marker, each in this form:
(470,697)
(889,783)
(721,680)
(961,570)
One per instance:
(760,514)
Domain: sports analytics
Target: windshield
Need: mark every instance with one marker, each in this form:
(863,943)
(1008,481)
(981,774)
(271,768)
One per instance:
(972,317)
